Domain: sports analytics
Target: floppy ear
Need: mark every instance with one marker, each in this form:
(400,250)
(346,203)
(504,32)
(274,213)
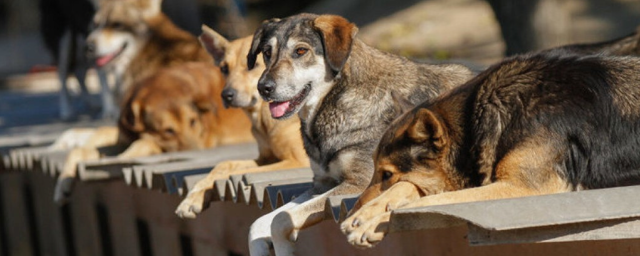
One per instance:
(204,104)
(214,43)
(257,42)
(337,37)
(150,8)
(426,127)
(131,117)
(401,104)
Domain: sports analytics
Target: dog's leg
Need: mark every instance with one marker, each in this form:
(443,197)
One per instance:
(103,136)
(260,231)
(66,110)
(109,107)
(287,224)
(398,194)
(139,148)
(199,197)
(65,182)
(72,138)
(529,170)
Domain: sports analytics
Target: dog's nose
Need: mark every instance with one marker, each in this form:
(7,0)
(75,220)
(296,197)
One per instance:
(266,87)
(228,94)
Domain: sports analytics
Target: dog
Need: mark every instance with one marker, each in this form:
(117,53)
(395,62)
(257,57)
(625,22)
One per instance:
(279,142)
(537,124)
(341,90)
(179,108)
(134,39)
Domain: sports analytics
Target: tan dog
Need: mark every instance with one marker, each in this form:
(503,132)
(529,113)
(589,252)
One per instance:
(177,109)
(279,142)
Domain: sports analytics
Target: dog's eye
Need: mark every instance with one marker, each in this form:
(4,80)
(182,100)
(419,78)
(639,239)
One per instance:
(267,52)
(169,132)
(386,175)
(117,25)
(301,51)
(224,69)
(192,122)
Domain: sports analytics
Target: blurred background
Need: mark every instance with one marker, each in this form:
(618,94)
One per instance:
(459,30)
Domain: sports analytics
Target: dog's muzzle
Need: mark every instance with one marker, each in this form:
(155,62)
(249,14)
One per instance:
(266,88)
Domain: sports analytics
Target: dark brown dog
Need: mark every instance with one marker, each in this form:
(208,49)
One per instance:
(538,124)
(177,109)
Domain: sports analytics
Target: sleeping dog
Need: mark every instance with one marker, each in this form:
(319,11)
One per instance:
(539,124)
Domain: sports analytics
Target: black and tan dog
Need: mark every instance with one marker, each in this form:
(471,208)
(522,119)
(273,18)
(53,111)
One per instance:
(537,124)
(341,90)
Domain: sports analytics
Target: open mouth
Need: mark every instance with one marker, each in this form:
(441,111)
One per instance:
(106,59)
(285,109)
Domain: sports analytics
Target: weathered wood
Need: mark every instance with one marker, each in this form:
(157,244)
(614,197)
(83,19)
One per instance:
(48,215)
(84,218)
(15,217)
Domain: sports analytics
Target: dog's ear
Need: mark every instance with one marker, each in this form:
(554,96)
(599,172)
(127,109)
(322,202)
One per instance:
(150,8)
(400,103)
(204,104)
(131,117)
(427,128)
(256,44)
(214,43)
(337,37)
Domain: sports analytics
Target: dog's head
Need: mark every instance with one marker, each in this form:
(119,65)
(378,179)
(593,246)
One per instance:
(164,109)
(240,88)
(414,149)
(119,30)
(302,56)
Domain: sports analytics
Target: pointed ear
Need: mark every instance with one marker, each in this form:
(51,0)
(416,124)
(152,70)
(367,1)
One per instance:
(256,44)
(401,104)
(150,8)
(426,127)
(131,117)
(337,37)
(214,43)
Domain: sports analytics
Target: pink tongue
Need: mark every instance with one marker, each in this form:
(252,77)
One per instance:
(278,109)
(104,59)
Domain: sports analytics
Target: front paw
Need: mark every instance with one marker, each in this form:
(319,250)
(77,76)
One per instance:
(367,212)
(62,191)
(193,204)
(283,229)
(260,247)
(368,234)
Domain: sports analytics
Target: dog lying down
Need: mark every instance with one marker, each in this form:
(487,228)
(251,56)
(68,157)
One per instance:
(340,88)
(536,124)
(279,142)
(179,108)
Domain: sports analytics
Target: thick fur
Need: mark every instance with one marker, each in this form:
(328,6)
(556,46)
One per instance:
(341,90)
(279,142)
(135,39)
(177,109)
(537,124)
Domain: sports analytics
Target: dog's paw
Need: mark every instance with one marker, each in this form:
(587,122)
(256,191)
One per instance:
(367,212)
(260,247)
(368,234)
(192,205)
(62,191)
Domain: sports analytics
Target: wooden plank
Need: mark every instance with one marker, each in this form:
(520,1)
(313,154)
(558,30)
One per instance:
(84,219)
(48,216)
(15,219)
(118,198)
(597,230)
